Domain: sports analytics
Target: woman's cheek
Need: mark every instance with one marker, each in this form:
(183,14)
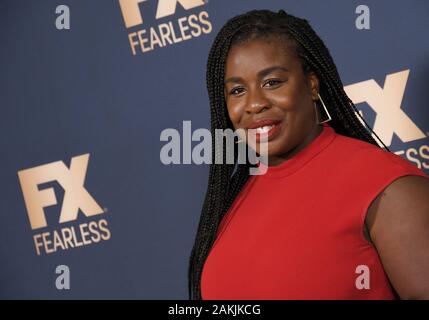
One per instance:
(234,112)
(285,101)
(285,98)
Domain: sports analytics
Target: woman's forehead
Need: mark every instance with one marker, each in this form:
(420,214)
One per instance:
(260,54)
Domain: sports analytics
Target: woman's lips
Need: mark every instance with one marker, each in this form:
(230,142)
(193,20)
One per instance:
(265,136)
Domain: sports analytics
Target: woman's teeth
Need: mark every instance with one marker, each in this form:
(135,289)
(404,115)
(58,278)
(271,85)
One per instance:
(264,129)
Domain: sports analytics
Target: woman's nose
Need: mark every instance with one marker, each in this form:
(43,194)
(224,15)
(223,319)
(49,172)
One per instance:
(257,101)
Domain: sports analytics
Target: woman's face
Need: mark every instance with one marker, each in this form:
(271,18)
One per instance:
(265,86)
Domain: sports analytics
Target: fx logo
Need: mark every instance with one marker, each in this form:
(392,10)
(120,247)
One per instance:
(386,102)
(71,179)
(132,15)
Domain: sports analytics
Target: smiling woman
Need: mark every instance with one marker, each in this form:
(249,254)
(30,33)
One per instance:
(271,73)
(335,216)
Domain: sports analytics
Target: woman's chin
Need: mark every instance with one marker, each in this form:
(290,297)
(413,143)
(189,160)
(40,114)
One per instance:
(266,150)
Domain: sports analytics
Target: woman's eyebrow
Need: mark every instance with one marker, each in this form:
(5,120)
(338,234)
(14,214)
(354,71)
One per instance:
(233,80)
(261,74)
(267,71)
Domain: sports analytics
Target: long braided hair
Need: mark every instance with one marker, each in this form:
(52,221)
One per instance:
(226,180)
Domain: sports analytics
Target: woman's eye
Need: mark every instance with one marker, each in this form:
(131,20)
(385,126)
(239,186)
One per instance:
(272,82)
(236,91)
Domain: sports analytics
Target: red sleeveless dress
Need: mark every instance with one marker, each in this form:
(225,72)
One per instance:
(296,232)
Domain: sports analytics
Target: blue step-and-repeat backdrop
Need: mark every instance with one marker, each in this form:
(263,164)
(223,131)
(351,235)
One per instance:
(87,207)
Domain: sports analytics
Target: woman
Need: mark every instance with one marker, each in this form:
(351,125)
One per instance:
(335,216)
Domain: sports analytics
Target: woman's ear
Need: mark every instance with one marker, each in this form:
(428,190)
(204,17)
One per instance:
(313,82)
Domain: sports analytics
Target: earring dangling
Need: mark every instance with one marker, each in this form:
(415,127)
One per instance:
(324,107)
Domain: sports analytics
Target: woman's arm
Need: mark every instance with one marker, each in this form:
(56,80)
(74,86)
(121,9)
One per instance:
(398,222)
